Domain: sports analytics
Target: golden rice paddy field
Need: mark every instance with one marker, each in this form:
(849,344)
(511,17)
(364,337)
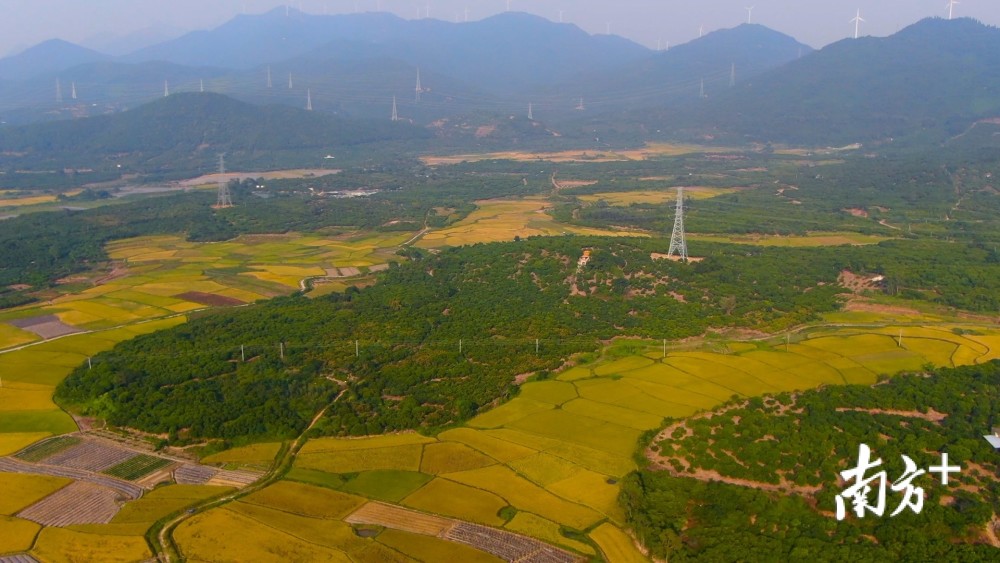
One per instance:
(545,462)
(502,220)
(25,201)
(665,195)
(160,279)
(162,276)
(551,458)
(650,151)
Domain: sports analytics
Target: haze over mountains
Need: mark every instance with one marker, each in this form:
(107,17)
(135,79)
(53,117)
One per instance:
(932,80)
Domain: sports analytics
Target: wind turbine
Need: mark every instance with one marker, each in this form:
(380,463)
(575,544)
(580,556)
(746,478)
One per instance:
(701,31)
(951,8)
(857,23)
(749,10)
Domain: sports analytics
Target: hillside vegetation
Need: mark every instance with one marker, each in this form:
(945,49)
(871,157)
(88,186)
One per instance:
(684,518)
(442,337)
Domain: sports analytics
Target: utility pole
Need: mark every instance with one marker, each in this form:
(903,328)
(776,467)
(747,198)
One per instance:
(243,356)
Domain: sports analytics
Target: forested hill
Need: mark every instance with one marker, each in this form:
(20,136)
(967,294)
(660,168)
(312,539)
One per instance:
(47,57)
(440,338)
(183,129)
(674,75)
(818,435)
(931,80)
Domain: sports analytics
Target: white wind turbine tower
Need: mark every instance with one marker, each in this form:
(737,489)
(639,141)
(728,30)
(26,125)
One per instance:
(857,23)
(951,8)
(749,10)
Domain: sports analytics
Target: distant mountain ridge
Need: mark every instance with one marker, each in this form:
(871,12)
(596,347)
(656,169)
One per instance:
(930,81)
(355,64)
(187,131)
(719,59)
(50,56)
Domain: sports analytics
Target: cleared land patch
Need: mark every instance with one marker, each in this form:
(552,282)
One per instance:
(78,503)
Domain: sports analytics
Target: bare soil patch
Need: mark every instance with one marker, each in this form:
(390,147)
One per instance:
(48,326)
(658,256)
(931,415)
(273,175)
(210,299)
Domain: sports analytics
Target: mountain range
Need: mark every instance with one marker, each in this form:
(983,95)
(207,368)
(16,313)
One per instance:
(927,83)
(186,132)
(355,64)
(930,81)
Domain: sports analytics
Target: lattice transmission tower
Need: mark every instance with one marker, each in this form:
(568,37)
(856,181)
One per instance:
(678,242)
(225,200)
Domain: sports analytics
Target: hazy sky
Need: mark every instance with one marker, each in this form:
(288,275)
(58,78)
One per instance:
(815,22)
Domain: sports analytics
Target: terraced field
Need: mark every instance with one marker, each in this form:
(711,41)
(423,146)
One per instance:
(545,462)
(551,458)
